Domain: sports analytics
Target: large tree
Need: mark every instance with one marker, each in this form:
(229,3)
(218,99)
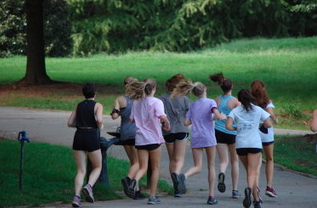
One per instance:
(35,67)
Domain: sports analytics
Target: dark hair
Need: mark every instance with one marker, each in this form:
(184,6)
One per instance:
(137,90)
(173,81)
(259,92)
(224,83)
(246,99)
(89,90)
(186,86)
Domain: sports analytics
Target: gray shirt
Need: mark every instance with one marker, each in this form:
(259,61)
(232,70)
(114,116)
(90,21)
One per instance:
(175,110)
(128,128)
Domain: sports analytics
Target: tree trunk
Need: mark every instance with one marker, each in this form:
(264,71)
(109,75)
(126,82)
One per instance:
(35,67)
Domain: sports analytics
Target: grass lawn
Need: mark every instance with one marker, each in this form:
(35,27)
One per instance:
(288,66)
(49,173)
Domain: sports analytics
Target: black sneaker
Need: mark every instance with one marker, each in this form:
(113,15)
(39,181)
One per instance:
(221,183)
(257,204)
(175,179)
(138,196)
(125,183)
(247,200)
(132,188)
(181,184)
(212,200)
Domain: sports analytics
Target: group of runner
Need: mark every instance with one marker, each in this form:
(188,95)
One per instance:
(242,128)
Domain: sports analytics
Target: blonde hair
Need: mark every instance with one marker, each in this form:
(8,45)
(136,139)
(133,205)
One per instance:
(184,87)
(137,90)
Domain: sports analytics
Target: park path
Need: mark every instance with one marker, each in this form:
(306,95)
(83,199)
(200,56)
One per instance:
(294,189)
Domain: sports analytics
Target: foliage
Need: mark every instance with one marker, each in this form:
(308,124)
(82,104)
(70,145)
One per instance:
(183,25)
(13,28)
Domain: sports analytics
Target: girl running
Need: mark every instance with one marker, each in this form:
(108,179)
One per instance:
(148,114)
(176,137)
(203,135)
(258,91)
(122,107)
(226,139)
(248,118)
(87,118)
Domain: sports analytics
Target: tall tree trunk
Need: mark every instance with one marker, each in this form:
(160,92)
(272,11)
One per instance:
(35,67)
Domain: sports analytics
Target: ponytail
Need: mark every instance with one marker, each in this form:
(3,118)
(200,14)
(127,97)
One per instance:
(246,99)
(224,83)
(186,86)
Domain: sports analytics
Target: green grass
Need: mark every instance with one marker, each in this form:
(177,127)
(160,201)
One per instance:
(288,66)
(297,153)
(49,173)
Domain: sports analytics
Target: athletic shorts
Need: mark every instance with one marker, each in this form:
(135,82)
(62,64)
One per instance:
(224,137)
(267,143)
(86,140)
(170,138)
(130,142)
(148,147)
(245,151)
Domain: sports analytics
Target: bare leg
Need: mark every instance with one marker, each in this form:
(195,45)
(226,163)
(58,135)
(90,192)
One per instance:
(269,167)
(155,157)
(222,150)
(133,158)
(179,155)
(80,160)
(197,155)
(211,154)
(234,166)
(170,151)
(95,158)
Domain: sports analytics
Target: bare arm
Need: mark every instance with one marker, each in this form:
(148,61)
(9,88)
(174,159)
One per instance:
(98,113)
(267,123)
(187,122)
(115,112)
(72,119)
(165,122)
(313,124)
(229,124)
(219,116)
(272,115)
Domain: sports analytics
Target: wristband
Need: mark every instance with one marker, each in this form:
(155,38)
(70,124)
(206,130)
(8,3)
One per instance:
(115,111)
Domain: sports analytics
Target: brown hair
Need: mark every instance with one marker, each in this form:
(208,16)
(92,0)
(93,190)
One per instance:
(258,91)
(224,83)
(186,86)
(137,90)
(173,81)
(128,80)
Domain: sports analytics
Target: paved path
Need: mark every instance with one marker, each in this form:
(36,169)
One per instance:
(294,189)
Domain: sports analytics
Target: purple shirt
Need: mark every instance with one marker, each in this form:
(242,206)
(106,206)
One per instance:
(203,131)
(146,113)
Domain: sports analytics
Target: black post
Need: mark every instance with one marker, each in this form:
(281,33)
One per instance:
(23,138)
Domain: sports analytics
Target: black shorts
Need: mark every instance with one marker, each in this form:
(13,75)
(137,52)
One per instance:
(170,138)
(130,142)
(267,143)
(245,151)
(224,137)
(148,147)
(86,140)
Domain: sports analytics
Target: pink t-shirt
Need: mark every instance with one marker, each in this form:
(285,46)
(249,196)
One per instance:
(146,113)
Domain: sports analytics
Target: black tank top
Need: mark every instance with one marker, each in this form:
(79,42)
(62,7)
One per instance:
(85,115)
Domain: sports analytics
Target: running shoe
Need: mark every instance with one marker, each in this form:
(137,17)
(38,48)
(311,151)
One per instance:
(236,194)
(270,192)
(257,204)
(132,188)
(154,200)
(212,200)
(181,184)
(260,199)
(125,183)
(221,183)
(76,201)
(87,191)
(247,200)
(138,196)
(175,179)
